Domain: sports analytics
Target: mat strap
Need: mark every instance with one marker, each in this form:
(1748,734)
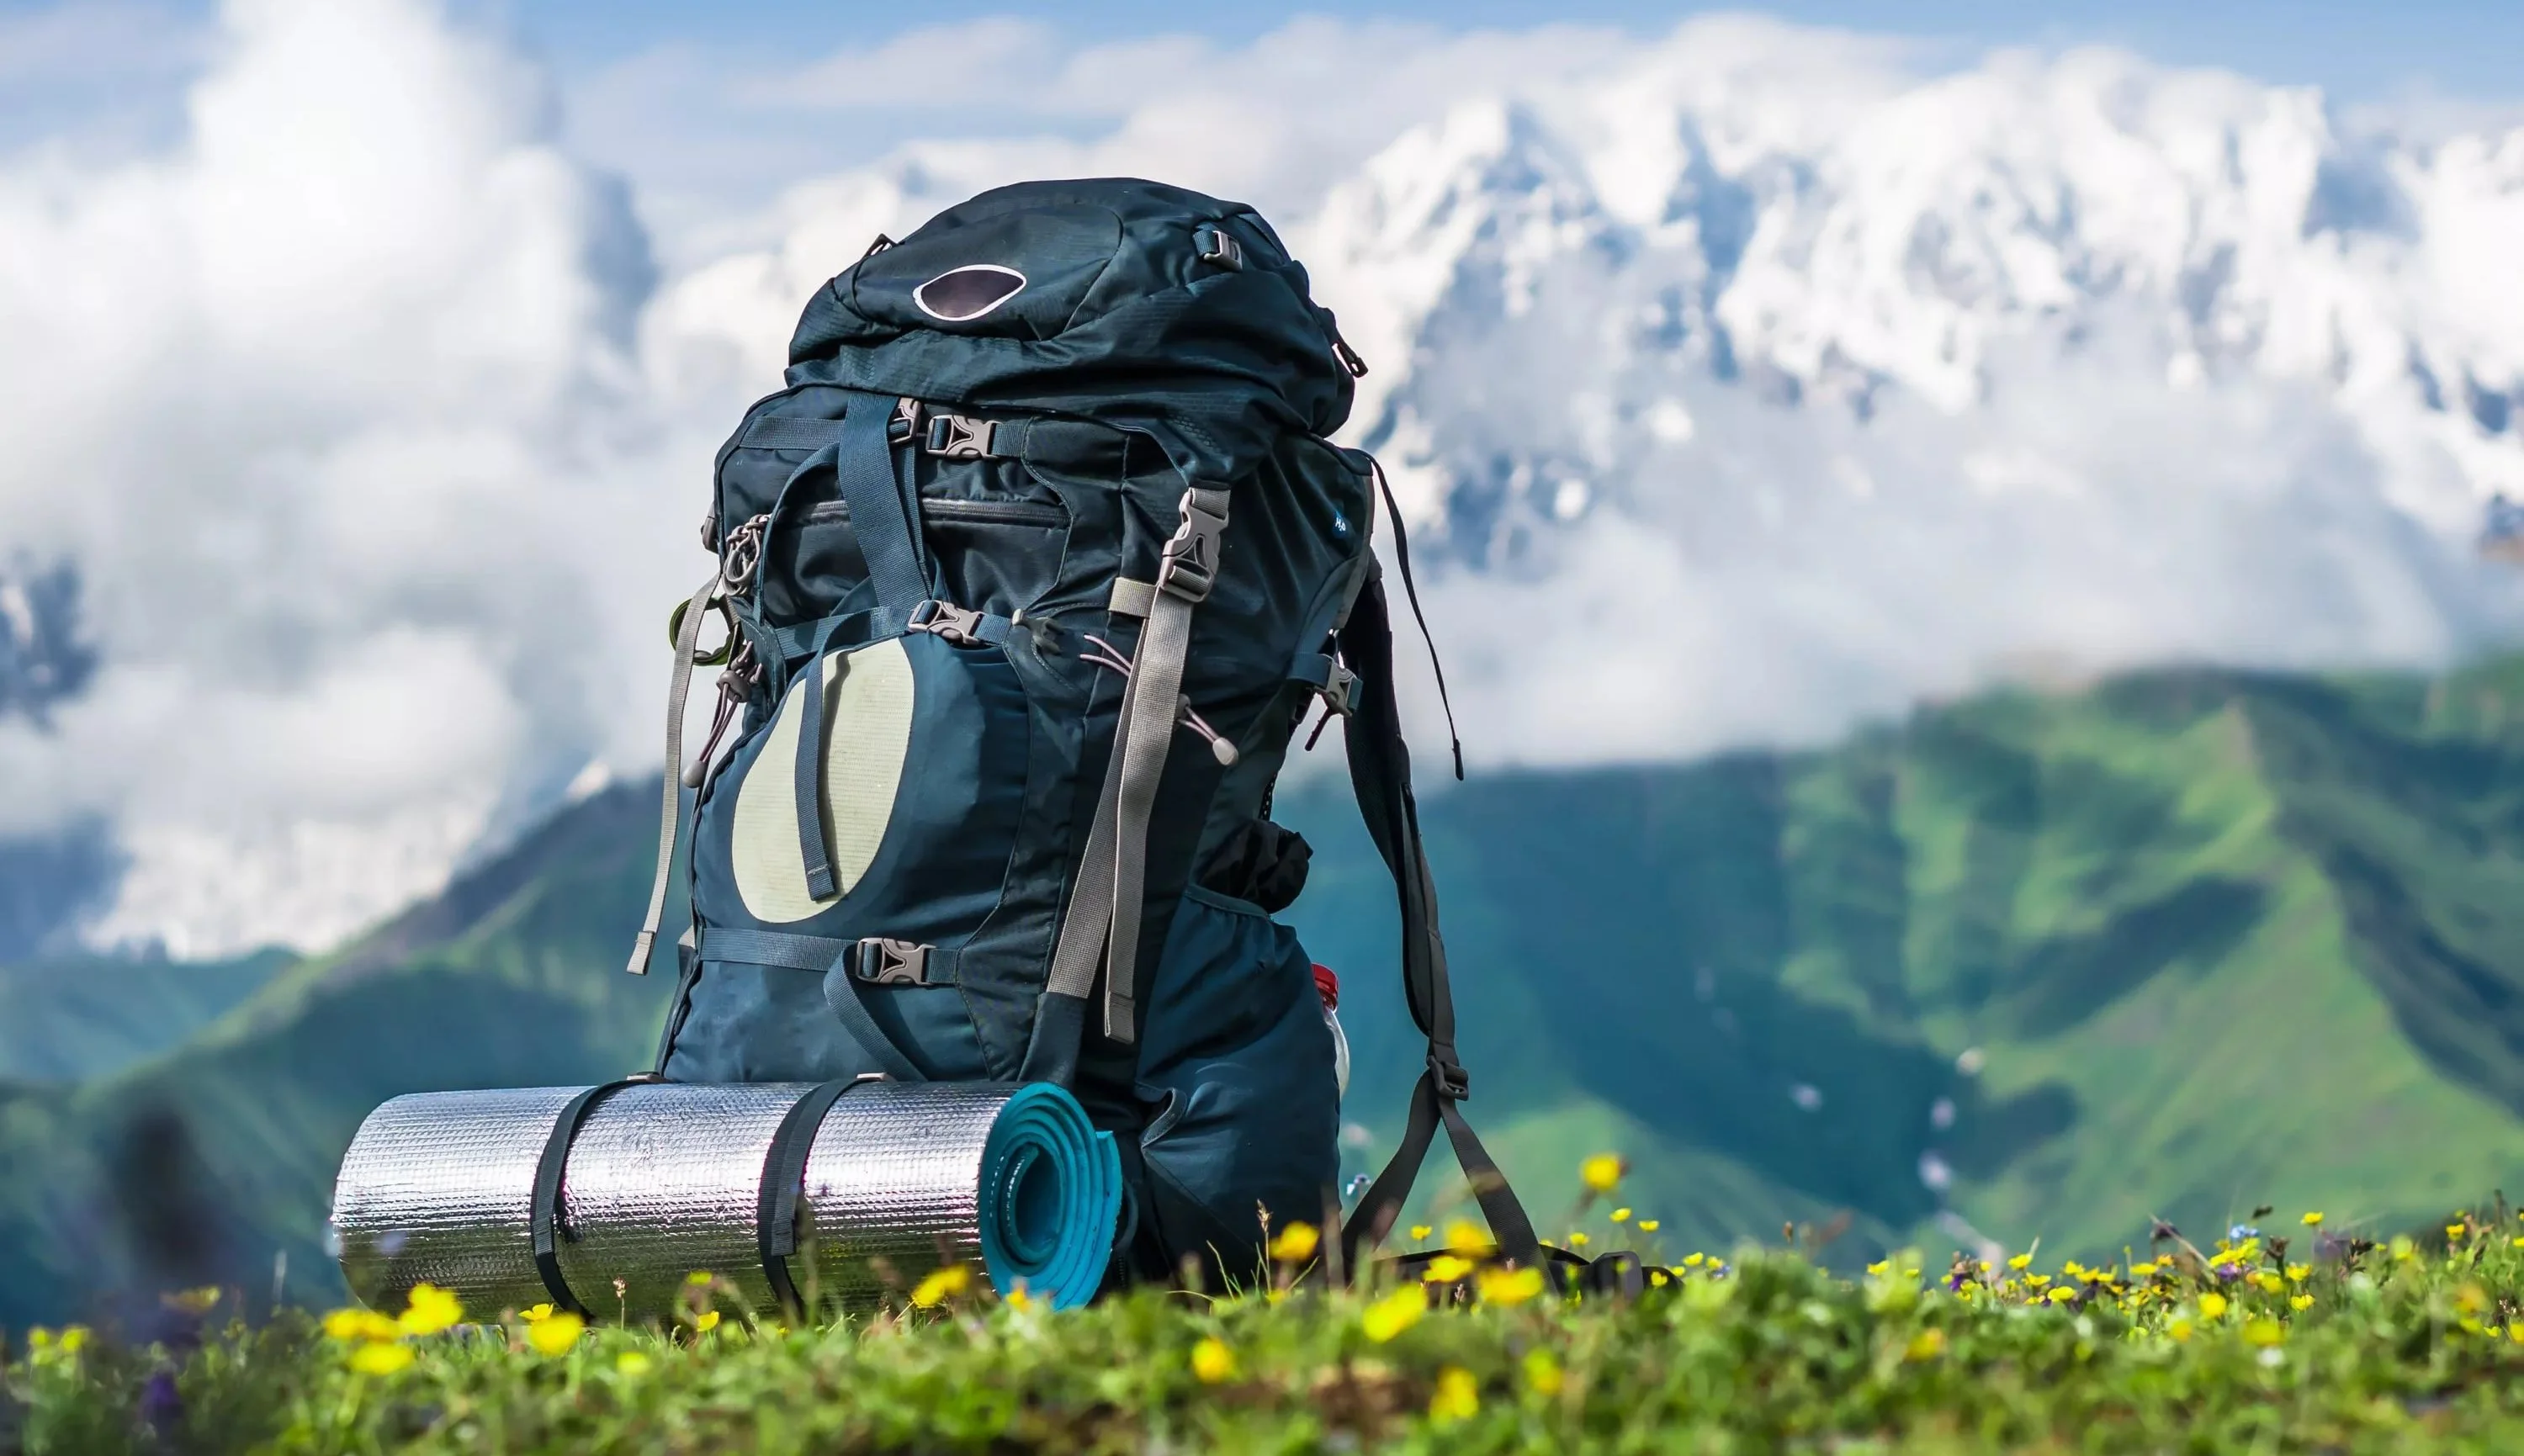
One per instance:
(549,1169)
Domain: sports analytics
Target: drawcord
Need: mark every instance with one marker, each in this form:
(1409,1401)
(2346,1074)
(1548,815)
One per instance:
(1403,558)
(1110,659)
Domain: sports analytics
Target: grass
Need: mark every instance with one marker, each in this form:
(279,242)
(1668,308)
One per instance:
(2288,1340)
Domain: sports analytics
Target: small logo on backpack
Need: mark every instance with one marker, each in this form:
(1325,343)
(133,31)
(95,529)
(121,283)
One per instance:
(963,294)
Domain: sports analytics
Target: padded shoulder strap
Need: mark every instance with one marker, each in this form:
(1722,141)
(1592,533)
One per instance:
(1379,765)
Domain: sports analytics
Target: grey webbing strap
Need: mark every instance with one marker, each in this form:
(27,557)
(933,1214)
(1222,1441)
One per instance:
(791,432)
(1191,566)
(1081,948)
(687,638)
(880,520)
(1131,598)
(791,950)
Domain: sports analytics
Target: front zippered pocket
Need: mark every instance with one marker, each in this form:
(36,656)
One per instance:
(952,509)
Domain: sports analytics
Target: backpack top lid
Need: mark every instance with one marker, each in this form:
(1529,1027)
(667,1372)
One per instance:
(1109,299)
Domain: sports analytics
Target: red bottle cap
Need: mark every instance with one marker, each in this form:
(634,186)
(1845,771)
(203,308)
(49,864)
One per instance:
(1327,986)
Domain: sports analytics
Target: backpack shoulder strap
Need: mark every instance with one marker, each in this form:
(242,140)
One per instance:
(1379,765)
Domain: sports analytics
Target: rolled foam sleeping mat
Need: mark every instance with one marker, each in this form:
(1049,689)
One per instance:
(658,1181)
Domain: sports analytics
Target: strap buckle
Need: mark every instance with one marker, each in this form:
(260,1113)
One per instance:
(1448,1076)
(886,962)
(960,437)
(904,426)
(1217,246)
(960,625)
(1339,689)
(1191,566)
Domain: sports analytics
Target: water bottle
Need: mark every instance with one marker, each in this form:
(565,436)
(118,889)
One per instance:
(1328,986)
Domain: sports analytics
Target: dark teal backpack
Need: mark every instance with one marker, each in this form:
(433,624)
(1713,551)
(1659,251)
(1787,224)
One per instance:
(1028,576)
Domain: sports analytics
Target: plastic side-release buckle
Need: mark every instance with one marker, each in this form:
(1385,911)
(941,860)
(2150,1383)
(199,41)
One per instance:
(888,962)
(960,625)
(958,437)
(1191,566)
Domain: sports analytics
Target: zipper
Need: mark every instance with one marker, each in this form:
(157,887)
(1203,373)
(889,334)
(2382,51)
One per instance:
(974,512)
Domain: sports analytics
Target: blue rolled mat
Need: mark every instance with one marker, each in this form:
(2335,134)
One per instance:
(1050,1197)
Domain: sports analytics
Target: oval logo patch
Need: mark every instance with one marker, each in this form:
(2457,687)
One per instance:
(963,294)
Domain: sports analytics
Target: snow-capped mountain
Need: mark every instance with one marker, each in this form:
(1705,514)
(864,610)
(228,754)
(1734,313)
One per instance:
(1745,383)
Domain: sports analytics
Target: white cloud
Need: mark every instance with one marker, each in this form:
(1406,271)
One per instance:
(381,458)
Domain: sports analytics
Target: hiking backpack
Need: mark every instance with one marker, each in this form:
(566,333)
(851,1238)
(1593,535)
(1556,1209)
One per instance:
(1027,576)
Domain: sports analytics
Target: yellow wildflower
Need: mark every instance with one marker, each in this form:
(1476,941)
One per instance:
(1927,1344)
(1601,1172)
(2062,1294)
(379,1357)
(1458,1396)
(706,1321)
(2404,1250)
(1445,1269)
(555,1334)
(74,1339)
(1577,1240)
(1659,1278)
(942,1284)
(430,1310)
(2265,1333)
(698,1279)
(1018,1299)
(2212,1305)
(2143,1270)
(1694,1261)
(2270,1282)
(2180,1330)
(1542,1374)
(2301,1302)
(348,1325)
(1212,1361)
(1419,1232)
(1395,1313)
(632,1362)
(2296,1273)
(2313,1220)
(1647,1226)
(1621,1215)
(2020,1261)
(534,1312)
(1510,1285)
(1469,1240)
(1295,1243)
(2453,1233)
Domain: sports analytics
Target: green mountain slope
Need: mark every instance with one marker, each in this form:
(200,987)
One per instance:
(72,1018)
(2027,965)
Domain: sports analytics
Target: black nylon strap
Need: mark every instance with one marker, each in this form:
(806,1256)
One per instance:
(784,1179)
(549,1168)
(1380,775)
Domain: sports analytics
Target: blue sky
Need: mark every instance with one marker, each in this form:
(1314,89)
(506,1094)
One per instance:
(2464,48)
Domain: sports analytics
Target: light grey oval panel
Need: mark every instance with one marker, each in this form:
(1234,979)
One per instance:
(870,718)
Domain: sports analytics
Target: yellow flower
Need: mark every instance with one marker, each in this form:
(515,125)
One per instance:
(1542,1374)
(2453,1233)
(632,1362)
(1659,1278)
(1694,1261)
(706,1321)
(2212,1305)
(555,1334)
(360,1324)
(2265,1333)
(1445,1269)
(2404,1250)
(2180,1330)
(2270,1282)
(2313,1220)
(698,1279)
(1621,1215)
(1419,1232)
(1395,1313)
(1295,1243)
(940,1285)
(2296,1273)
(2142,1270)
(1510,1285)
(1647,1226)
(377,1357)
(1018,1299)
(1213,1361)
(2020,1261)
(2301,1302)
(1601,1172)
(1577,1240)
(1469,1240)
(431,1310)
(2062,1294)
(1458,1396)
(534,1312)
(1927,1344)
(74,1339)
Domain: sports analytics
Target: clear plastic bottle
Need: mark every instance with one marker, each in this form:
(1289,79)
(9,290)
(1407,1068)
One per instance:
(1328,986)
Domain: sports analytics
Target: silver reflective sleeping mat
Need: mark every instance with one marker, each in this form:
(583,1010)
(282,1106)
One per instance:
(604,1198)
